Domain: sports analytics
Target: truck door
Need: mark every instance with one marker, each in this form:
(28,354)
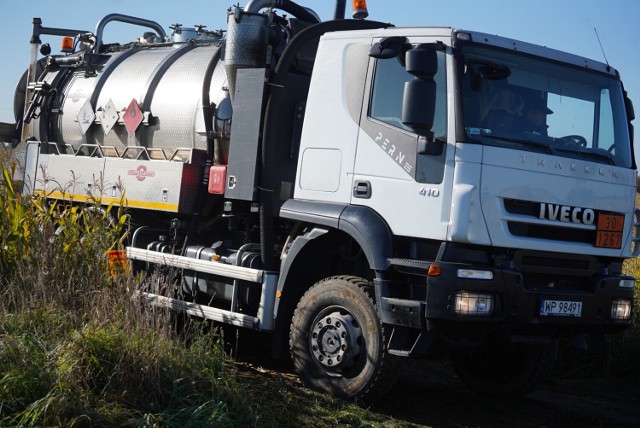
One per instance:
(395,173)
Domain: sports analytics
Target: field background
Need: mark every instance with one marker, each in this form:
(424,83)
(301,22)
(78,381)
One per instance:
(77,350)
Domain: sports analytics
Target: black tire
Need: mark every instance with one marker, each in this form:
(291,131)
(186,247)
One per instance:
(337,341)
(505,370)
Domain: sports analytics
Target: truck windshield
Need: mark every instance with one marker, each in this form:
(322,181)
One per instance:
(519,101)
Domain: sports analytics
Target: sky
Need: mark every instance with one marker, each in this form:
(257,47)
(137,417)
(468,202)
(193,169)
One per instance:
(566,25)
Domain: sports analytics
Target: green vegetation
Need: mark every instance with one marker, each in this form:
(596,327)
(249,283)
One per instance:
(76,349)
(625,347)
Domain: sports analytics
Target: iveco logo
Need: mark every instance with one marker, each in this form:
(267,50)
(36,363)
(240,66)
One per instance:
(566,214)
(141,173)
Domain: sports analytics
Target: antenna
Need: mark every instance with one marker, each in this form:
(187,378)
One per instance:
(602,49)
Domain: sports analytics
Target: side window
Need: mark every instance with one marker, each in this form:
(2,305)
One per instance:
(397,139)
(386,103)
(388,89)
(606,132)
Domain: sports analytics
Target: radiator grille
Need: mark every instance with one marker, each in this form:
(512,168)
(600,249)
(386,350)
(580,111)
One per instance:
(563,232)
(554,233)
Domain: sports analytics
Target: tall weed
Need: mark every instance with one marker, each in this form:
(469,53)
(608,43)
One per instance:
(15,225)
(76,348)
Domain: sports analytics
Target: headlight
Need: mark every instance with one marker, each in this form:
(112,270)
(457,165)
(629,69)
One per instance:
(621,309)
(473,303)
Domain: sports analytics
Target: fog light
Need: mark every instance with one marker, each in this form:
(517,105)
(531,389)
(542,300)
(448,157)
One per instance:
(475,274)
(473,304)
(621,309)
(627,283)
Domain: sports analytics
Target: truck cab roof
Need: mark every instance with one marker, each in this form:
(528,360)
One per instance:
(457,36)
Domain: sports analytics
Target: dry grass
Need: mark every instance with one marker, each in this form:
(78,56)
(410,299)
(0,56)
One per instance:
(76,350)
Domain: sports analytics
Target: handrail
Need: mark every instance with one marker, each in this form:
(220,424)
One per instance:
(129,20)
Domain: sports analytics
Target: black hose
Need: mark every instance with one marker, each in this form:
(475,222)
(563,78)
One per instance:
(298,11)
(272,118)
(295,9)
(19,96)
(208,111)
(48,109)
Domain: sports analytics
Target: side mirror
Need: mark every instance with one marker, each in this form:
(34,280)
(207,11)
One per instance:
(631,115)
(419,105)
(419,102)
(389,47)
(422,61)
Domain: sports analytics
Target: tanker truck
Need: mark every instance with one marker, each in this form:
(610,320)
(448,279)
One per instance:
(359,192)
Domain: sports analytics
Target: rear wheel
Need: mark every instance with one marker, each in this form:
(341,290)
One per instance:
(337,341)
(505,369)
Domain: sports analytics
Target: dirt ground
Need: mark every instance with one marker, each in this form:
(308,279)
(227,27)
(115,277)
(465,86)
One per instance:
(433,396)
(428,394)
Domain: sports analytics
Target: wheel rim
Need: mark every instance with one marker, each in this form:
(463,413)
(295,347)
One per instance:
(335,340)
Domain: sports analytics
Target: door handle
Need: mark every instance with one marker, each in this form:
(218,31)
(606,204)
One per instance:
(362,189)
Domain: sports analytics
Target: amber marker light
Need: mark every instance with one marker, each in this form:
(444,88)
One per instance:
(434,270)
(360,9)
(67,45)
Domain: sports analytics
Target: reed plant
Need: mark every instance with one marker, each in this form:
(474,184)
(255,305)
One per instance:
(76,349)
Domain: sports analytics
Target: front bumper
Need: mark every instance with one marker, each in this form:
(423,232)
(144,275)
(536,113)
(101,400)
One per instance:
(517,293)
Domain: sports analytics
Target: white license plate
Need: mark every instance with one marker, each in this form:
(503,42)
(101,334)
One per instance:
(563,308)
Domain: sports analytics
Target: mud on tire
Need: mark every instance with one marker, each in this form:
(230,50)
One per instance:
(337,341)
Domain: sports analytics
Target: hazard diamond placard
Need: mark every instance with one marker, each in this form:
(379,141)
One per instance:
(133,117)
(85,117)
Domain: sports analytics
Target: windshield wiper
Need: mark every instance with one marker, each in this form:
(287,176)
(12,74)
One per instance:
(541,144)
(598,155)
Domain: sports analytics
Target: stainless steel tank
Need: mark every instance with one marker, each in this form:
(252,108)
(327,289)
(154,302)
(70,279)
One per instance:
(165,81)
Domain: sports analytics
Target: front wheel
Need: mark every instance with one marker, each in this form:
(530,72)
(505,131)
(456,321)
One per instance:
(505,369)
(337,341)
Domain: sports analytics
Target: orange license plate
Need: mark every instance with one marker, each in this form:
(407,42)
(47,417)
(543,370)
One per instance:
(609,230)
